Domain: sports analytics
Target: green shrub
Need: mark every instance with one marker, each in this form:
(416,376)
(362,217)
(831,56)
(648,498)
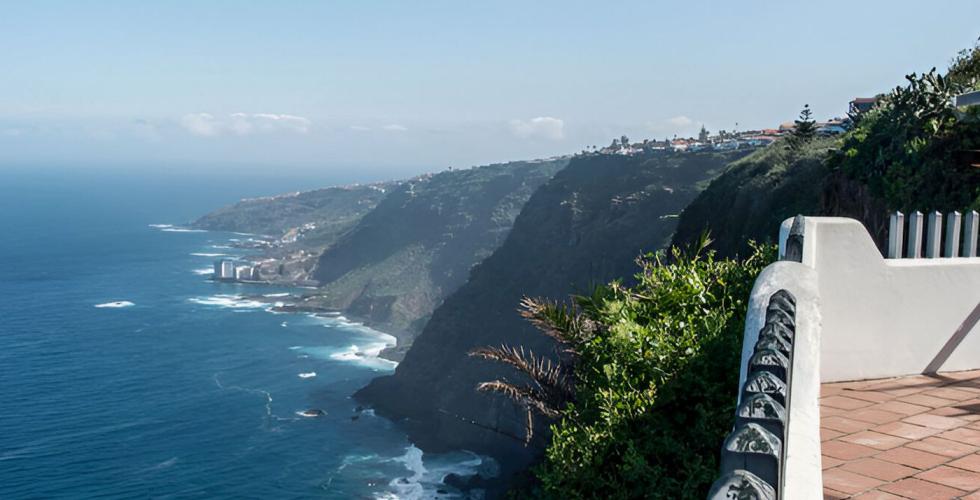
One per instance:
(657,383)
(905,149)
(645,386)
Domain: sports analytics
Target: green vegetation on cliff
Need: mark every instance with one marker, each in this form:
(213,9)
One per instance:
(754,195)
(906,149)
(419,244)
(585,226)
(332,210)
(654,369)
(904,154)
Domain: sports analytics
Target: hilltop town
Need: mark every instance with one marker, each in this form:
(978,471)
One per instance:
(725,140)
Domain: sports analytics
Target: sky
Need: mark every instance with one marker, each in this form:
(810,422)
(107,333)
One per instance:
(384,89)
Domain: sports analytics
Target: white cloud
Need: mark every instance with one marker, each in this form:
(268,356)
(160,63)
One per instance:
(542,127)
(202,124)
(680,121)
(359,128)
(394,127)
(207,125)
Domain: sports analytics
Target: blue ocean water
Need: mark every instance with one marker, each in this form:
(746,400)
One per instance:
(193,390)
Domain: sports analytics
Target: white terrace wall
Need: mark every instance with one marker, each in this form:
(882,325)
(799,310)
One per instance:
(801,462)
(889,317)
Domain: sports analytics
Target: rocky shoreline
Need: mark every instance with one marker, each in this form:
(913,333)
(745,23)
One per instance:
(294,304)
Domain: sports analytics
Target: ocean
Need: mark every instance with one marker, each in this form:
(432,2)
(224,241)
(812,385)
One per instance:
(125,372)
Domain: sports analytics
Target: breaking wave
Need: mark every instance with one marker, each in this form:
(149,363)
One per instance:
(427,472)
(230,301)
(115,305)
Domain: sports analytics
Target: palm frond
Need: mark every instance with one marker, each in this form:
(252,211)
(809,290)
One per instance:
(560,321)
(526,396)
(549,376)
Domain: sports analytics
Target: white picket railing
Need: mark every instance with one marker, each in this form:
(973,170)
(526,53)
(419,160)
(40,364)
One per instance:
(959,239)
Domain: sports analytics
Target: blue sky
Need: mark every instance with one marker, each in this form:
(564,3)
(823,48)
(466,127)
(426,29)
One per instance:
(414,86)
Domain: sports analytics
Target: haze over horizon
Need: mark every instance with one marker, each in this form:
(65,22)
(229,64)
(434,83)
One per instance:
(399,88)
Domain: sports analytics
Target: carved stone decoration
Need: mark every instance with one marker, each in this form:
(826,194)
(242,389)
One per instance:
(770,360)
(763,410)
(741,485)
(751,456)
(765,383)
(779,329)
(782,296)
(761,407)
(752,447)
(780,317)
(753,438)
(770,340)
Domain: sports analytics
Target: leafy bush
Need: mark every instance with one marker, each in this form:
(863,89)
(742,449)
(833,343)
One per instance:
(905,148)
(655,376)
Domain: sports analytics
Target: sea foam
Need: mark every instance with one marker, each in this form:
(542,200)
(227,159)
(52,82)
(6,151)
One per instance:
(426,472)
(204,271)
(363,351)
(230,301)
(115,305)
(208,254)
(307,375)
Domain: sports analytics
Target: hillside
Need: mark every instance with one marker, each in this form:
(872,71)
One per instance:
(332,210)
(586,225)
(419,244)
(753,196)
(904,154)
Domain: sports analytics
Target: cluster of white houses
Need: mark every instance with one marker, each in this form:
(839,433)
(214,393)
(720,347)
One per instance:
(732,140)
(230,270)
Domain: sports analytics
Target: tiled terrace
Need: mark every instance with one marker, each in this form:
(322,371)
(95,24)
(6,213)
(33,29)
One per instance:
(909,437)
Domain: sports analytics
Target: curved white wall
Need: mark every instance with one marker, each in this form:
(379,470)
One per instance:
(889,317)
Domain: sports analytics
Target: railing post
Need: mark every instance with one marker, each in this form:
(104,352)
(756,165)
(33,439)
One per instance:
(971,223)
(934,234)
(953,234)
(914,250)
(896,230)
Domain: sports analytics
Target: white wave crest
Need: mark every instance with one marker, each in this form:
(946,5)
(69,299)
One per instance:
(208,254)
(307,375)
(366,346)
(410,487)
(230,301)
(161,226)
(428,471)
(204,271)
(115,305)
(276,294)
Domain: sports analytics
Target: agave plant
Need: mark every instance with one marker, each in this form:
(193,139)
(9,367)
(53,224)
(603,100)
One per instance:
(550,384)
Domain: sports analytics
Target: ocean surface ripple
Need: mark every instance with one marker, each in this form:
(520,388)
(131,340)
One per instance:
(126,375)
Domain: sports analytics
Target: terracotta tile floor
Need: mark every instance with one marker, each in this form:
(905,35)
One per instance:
(909,437)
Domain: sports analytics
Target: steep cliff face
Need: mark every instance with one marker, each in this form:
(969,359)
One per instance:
(419,244)
(332,211)
(586,225)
